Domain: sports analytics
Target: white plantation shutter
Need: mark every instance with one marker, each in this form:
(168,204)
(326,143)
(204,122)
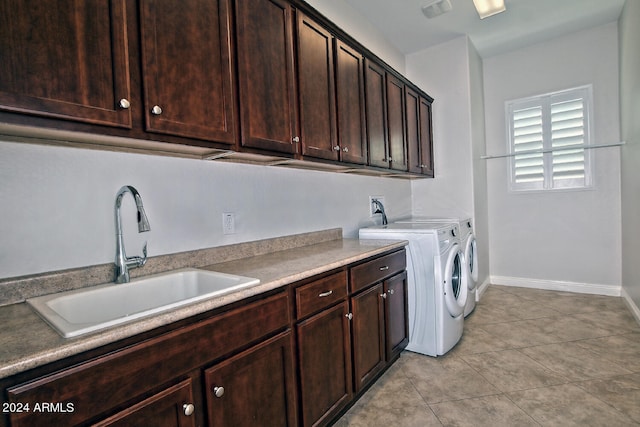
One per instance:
(547,136)
(528,136)
(568,130)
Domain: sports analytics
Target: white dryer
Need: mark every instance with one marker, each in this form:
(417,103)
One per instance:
(436,278)
(469,249)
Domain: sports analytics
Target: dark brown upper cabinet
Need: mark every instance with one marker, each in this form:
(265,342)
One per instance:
(376,98)
(352,135)
(385,118)
(266,75)
(65,60)
(426,137)
(316,89)
(419,147)
(396,123)
(186,68)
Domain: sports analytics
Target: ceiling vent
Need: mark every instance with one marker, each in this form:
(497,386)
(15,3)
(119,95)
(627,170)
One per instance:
(436,8)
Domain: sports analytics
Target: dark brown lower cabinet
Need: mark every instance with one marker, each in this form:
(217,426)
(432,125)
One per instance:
(254,388)
(396,320)
(368,335)
(298,357)
(324,354)
(380,329)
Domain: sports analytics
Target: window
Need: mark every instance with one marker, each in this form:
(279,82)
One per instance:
(547,136)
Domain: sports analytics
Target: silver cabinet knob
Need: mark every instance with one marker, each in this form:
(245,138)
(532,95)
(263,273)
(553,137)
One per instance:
(345,149)
(422,166)
(390,291)
(156,110)
(188,408)
(383,295)
(218,391)
(296,139)
(336,148)
(124,104)
(349,316)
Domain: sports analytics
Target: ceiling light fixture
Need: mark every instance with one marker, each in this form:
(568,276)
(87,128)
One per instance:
(436,8)
(488,8)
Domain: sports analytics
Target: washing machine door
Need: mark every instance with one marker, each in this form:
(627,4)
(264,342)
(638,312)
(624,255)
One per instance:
(455,282)
(471,256)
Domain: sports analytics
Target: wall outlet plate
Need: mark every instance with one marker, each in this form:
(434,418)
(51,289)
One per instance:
(372,208)
(228,223)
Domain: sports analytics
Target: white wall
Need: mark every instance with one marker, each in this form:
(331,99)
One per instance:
(630,126)
(58,203)
(351,21)
(443,72)
(452,73)
(557,237)
(479,166)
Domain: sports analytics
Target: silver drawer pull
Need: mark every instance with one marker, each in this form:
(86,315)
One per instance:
(325,294)
(386,267)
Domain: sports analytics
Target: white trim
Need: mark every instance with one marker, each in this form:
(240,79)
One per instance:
(632,305)
(558,285)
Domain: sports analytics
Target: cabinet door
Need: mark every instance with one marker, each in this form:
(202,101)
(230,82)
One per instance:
(426,137)
(172,407)
(186,59)
(256,387)
(316,89)
(397,328)
(352,136)
(412,114)
(65,59)
(324,356)
(376,98)
(395,123)
(266,76)
(368,335)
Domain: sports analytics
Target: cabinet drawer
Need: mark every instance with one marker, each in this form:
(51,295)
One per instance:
(377,269)
(99,385)
(167,408)
(321,293)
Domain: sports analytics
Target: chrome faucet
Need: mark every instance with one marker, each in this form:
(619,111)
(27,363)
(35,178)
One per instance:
(380,209)
(123,264)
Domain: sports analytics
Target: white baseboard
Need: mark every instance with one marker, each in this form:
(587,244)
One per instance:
(558,285)
(480,289)
(632,305)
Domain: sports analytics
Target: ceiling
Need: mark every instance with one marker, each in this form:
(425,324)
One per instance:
(524,22)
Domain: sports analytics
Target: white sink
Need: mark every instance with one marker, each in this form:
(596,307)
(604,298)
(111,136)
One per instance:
(78,312)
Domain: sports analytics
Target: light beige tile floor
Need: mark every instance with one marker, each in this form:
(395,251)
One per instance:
(528,357)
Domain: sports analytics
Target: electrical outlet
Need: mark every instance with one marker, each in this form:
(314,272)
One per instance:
(228,223)
(372,207)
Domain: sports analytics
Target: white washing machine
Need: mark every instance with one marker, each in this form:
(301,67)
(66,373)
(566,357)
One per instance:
(436,278)
(469,249)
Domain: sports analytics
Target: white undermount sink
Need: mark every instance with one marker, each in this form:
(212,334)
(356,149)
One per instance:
(81,311)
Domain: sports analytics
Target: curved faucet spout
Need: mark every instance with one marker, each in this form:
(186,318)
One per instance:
(124,263)
(380,209)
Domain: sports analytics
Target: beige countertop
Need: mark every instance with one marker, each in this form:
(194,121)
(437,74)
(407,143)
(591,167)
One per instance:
(26,341)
